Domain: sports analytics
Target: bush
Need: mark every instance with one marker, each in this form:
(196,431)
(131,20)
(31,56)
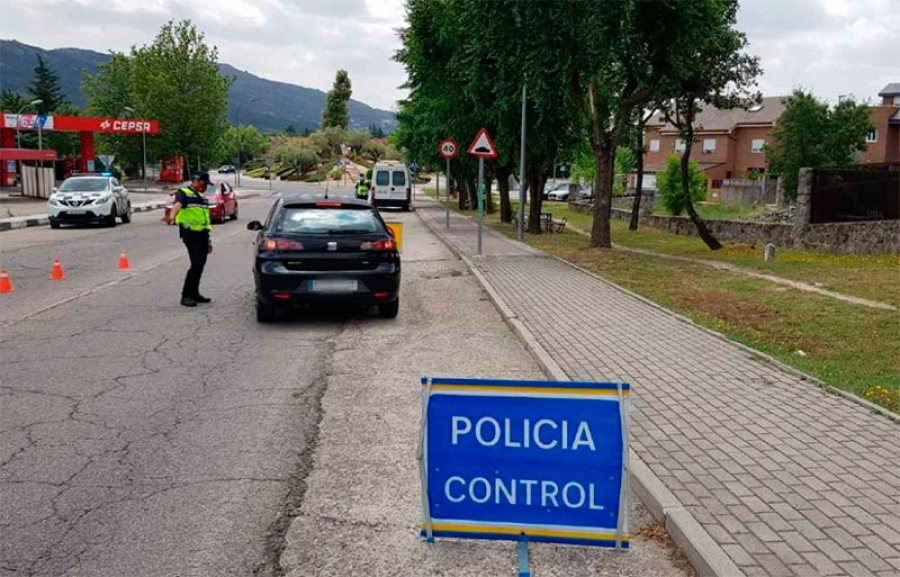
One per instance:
(669,185)
(314,177)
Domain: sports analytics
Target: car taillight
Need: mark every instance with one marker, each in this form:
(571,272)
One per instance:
(280,244)
(378,245)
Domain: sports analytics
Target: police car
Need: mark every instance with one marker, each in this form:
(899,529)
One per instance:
(89,199)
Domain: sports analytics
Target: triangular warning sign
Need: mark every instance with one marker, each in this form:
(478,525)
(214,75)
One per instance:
(483,146)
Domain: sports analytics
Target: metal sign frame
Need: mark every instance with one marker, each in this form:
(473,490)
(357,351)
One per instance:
(510,521)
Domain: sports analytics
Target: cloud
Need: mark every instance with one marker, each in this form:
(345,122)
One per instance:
(830,47)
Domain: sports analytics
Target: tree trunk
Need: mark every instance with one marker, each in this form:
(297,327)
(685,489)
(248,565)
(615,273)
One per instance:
(462,191)
(536,179)
(702,229)
(488,194)
(503,187)
(472,189)
(604,154)
(639,184)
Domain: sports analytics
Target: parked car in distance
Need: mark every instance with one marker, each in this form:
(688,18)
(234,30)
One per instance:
(559,194)
(89,199)
(336,253)
(585,193)
(552,187)
(222,202)
(632,191)
(226,169)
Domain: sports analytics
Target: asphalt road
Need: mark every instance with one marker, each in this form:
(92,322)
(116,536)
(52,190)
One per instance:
(138,437)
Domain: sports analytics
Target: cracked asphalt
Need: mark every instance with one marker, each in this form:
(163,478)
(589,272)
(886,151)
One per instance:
(142,439)
(138,437)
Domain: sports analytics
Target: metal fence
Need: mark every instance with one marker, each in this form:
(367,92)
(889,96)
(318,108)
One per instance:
(855,193)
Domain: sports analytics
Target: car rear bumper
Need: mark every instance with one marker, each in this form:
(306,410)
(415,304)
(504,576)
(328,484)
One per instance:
(391,202)
(288,289)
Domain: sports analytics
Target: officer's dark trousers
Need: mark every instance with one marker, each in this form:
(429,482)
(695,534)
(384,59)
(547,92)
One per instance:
(197,243)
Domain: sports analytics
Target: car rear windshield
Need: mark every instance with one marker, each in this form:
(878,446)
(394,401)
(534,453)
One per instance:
(327,221)
(399,178)
(84,185)
(382,178)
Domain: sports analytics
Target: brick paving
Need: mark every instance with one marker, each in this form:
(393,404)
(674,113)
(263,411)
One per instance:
(786,478)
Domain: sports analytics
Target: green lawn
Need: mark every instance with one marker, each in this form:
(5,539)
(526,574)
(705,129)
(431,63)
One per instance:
(718,211)
(875,277)
(852,347)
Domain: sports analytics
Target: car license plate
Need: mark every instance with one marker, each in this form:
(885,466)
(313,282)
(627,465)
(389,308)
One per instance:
(333,286)
(77,211)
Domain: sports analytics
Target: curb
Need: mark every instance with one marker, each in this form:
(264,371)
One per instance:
(708,558)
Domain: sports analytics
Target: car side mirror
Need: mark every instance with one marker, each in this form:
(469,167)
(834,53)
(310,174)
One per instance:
(55,189)
(254,225)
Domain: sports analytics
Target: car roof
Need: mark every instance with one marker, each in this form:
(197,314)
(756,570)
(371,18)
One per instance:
(311,198)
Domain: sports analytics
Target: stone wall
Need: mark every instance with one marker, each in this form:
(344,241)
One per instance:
(873,237)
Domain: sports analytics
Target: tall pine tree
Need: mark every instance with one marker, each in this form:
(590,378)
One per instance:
(45,86)
(336,112)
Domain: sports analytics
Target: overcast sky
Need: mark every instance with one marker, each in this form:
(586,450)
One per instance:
(831,47)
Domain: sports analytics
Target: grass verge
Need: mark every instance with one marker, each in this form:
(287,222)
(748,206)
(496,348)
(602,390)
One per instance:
(852,347)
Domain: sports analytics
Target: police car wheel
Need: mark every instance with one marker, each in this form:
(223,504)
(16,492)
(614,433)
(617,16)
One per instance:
(111,219)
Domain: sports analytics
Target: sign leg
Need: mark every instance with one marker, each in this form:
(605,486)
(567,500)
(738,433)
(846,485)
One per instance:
(524,570)
(480,201)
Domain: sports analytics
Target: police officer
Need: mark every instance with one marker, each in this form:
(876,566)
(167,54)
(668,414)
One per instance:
(190,212)
(362,187)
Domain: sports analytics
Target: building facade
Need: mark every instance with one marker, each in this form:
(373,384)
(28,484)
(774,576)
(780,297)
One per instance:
(730,144)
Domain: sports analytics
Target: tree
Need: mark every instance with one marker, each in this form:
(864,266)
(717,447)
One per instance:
(376,131)
(300,156)
(290,130)
(669,184)
(244,141)
(638,146)
(336,112)
(809,134)
(710,67)
(175,80)
(45,86)
(374,150)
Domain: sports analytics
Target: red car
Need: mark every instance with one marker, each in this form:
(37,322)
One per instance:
(222,202)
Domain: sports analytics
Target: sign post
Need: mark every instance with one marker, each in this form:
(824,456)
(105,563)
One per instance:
(269,162)
(525,461)
(482,147)
(448,148)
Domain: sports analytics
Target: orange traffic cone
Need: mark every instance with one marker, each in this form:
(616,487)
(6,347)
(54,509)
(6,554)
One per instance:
(56,272)
(5,284)
(123,262)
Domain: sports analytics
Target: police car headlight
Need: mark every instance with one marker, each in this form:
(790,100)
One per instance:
(56,201)
(102,200)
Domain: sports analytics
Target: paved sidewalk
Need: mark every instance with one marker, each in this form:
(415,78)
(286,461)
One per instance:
(769,474)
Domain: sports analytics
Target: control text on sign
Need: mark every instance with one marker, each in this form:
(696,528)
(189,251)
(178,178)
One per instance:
(539,460)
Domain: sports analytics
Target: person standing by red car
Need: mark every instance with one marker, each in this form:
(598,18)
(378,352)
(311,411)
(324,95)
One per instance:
(191,213)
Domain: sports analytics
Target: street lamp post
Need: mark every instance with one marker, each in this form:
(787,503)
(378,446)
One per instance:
(237,123)
(143,150)
(18,136)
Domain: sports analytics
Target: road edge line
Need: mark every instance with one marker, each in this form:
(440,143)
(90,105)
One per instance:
(707,557)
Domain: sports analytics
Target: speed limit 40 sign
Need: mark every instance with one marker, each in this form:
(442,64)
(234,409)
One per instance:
(448,148)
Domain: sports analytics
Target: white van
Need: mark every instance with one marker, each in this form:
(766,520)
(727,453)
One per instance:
(391,185)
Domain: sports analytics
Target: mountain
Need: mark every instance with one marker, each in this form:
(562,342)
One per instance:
(274,106)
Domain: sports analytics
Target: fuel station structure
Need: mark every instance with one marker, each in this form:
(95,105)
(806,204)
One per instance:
(87,126)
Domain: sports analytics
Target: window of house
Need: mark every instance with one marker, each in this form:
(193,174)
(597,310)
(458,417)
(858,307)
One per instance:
(757,144)
(709,145)
(654,145)
(872,136)
(679,145)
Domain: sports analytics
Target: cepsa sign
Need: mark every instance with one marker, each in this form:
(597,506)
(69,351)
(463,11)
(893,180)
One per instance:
(84,124)
(525,460)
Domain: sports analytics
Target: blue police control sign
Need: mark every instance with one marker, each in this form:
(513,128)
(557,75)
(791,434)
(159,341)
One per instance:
(525,460)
